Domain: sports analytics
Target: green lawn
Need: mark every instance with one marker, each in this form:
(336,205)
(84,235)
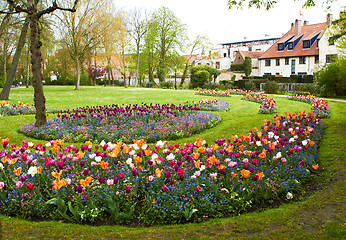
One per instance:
(317,216)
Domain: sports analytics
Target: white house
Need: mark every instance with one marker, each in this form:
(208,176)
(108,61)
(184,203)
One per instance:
(300,51)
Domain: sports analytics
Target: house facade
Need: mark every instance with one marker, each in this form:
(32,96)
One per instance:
(240,58)
(302,50)
(228,51)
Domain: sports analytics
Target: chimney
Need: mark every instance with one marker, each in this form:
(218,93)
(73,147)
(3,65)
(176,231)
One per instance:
(297,27)
(292,25)
(329,18)
(306,23)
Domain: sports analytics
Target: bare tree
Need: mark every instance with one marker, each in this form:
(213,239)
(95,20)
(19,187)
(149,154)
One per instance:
(138,26)
(31,8)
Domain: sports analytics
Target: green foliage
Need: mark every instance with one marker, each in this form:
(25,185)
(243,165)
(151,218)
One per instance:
(271,87)
(237,67)
(331,79)
(247,66)
(166,85)
(199,78)
(250,85)
(310,88)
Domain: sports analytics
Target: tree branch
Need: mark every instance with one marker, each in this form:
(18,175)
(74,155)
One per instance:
(56,7)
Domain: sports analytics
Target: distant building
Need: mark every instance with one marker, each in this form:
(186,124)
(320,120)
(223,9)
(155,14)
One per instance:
(301,50)
(228,51)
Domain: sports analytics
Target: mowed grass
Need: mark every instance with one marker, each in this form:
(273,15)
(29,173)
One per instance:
(317,216)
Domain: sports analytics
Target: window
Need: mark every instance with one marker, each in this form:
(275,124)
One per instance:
(316,59)
(277,62)
(287,61)
(224,55)
(331,43)
(238,60)
(280,46)
(318,42)
(330,58)
(302,73)
(267,62)
(290,46)
(306,44)
(302,60)
(267,74)
(277,74)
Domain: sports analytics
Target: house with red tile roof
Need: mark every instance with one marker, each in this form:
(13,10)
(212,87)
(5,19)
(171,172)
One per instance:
(254,55)
(301,50)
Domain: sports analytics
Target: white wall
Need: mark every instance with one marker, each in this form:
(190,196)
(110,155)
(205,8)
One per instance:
(285,70)
(325,48)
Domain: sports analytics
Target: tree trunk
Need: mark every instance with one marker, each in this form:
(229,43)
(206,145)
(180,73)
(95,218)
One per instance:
(28,68)
(137,67)
(78,72)
(5,93)
(36,62)
(184,74)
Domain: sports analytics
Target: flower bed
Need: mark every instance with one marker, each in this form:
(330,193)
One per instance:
(210,104)
(124,123)
(268,105)
(9,109)
(226,93)
(319,106)
(164,184)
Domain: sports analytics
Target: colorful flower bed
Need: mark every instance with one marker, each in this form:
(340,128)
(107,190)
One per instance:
(124,123)
(319,106)
(9,109)
(210,104)
(164,184)
(268,105)
(226,93)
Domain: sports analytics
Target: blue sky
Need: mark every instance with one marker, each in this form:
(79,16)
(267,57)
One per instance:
(221,25)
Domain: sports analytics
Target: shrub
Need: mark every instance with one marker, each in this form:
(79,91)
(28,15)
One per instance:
(166,85)
(250,85)
(237,67)
(310,88)
(331,79)
(271,87)
(247,66)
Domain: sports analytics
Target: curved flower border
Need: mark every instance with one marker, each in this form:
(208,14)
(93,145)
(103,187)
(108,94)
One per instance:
(320,107)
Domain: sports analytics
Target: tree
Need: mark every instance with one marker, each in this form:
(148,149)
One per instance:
(198,77)
(170,37)
(138,26)
(200,42)
(81,31)
(247,66)
(5,93)
(34,14)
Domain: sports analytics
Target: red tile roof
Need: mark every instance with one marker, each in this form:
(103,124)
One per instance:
(251,54)
(309,31)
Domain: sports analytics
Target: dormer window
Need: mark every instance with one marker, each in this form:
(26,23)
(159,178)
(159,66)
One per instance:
(306,44)
(281,46)
(290,46)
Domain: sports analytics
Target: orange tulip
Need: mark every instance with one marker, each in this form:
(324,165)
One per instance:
(137,159)
(221,167)
(158,172)
(57,183)
(195,155)
(262,155)
(311,143)
(260,175)
(197,163)
(199,142)
(55,148)
(80,155)
(126,149)
(17,171)
(39,169)
(315,167)
(104,164)
(242,147)
(56,174)
(212,159)
(201,150)
(245,173)
(233,174)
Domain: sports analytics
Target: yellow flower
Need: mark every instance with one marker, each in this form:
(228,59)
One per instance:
(197,163)
(212,159)
(315,167)
(104,164)
(80,155)
(260,175)
(57,183)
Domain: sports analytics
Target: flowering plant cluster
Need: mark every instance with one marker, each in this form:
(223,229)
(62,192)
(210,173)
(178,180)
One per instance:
(124,123)
(226,93)
(268,105)
(8,109)
(210,104)
(163,184)
(319,106)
